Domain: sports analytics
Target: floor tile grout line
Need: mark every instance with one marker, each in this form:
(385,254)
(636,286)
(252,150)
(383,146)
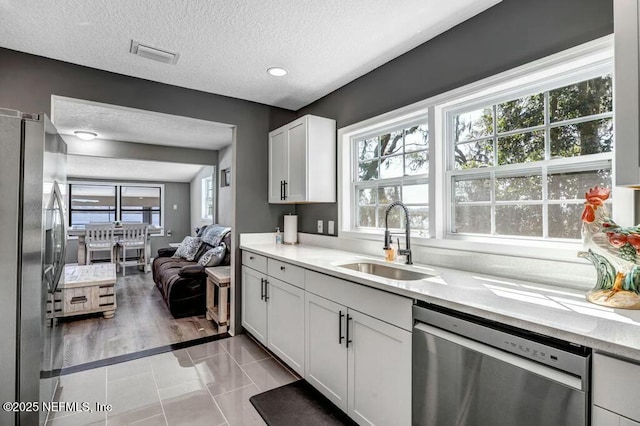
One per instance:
(232,390)
(245,373)
(289,369)
(155,382)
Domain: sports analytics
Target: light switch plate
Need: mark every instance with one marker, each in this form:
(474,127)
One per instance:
(320,227)
(330,228)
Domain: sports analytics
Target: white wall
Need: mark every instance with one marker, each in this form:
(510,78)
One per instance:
(224,193)
(196,198)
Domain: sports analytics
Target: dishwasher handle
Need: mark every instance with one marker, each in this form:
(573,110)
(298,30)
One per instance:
(539,369)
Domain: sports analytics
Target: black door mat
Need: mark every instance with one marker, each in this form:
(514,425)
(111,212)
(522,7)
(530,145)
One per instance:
(298,403)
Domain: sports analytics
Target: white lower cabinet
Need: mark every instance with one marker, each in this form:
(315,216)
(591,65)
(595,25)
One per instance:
(254,308)
(602,417)
(362,364)
(325,354)
(285,323)
(615,392)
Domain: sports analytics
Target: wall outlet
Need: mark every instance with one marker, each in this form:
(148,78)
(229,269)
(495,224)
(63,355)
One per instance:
(330,229)
(320,226)
(175,207)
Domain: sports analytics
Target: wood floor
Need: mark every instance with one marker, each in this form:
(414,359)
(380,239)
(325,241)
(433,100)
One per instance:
(142,321)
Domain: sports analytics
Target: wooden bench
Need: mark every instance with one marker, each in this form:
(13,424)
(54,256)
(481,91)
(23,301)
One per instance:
(218,281)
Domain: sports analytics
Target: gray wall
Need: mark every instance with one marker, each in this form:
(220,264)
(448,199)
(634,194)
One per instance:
(27,83)
(177,221)
(512,33)
(224,192)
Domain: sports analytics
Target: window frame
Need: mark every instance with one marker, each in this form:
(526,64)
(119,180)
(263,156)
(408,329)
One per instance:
(122,209)
(207,189)
(118,185)
(556,70)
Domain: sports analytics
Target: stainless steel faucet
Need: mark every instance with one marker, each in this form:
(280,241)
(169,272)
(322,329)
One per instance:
(407,231)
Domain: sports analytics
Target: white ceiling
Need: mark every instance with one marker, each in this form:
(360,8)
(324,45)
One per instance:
(226,46)
(135,170)
(135,125)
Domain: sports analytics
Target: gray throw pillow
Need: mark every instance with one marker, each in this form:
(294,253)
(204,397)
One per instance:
(213,257)
(188,248)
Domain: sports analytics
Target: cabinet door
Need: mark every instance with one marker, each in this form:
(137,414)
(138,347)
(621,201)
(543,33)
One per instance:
(325,353)
(379,372)
(285,329)
(297,180)
(278,164)
(254,307)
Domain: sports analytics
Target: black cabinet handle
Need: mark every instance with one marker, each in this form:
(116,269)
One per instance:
(285,190)
(349,318)
(282,190)
(340,336)
(282,268)
(262,280)
(266,290)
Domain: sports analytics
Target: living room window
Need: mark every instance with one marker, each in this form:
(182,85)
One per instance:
(207,197)
(115,201)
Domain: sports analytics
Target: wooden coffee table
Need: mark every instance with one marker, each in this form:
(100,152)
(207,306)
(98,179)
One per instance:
(88,289)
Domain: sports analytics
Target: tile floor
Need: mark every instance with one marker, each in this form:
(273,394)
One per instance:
(208,384)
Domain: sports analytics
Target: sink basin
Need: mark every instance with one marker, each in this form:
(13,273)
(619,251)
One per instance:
(386,271)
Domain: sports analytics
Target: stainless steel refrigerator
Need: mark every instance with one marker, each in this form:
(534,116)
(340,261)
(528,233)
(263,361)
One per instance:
(32,246)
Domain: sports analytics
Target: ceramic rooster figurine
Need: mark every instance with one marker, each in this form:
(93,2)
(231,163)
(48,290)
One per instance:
(614,251)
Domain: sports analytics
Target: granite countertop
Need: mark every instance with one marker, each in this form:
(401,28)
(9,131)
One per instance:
(550,310)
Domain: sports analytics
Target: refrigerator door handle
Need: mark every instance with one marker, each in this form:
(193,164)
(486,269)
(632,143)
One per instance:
(59,263)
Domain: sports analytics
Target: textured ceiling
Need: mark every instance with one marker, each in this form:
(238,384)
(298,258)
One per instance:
(226,46)
(135,125)
(115,168)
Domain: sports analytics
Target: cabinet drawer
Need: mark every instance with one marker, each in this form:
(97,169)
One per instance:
(286,272)
(379,304)
(615,385)
(254,261)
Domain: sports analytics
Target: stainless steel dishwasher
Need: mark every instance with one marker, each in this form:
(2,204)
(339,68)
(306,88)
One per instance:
(470,371)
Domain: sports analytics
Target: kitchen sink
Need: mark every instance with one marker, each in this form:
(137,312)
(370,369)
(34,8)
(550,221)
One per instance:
(386,271)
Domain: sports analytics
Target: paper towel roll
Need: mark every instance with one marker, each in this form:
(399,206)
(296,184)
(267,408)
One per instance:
(290,229)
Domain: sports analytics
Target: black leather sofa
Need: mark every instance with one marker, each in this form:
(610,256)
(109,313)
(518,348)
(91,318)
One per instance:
(182,283)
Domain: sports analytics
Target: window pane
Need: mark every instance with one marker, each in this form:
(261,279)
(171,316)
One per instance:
(367,217)
(467,190)
(93,197)
(521,148)
(582,99)
(367,197)
(388,194)
(474,154)
(587,138)
(416,163)
(84,217)
(391,167)
(140,204)
(415,194)
(368,149)
(473,219)
(521,113)
(564,220)
(396,217)
(391,143)
(473,125)
(525,220)
(419,219)
(416,138)
(519,188)
(368,170)
(573,186)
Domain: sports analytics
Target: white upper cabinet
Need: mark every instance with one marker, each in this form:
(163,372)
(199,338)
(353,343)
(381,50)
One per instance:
(302,161)
(627,94)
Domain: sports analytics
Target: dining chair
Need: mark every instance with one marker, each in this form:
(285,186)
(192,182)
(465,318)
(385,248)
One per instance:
(100,237)
(134,237)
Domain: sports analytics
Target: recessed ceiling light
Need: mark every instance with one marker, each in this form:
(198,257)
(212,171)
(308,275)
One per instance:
(84,135)
(277,71)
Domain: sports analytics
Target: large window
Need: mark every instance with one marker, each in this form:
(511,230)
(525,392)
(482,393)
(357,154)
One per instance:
(520,167)
(91,203)
(505,160)
(109,202)
(140,204)
(392,165)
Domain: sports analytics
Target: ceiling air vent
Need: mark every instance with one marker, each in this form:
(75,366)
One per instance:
(153,53)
